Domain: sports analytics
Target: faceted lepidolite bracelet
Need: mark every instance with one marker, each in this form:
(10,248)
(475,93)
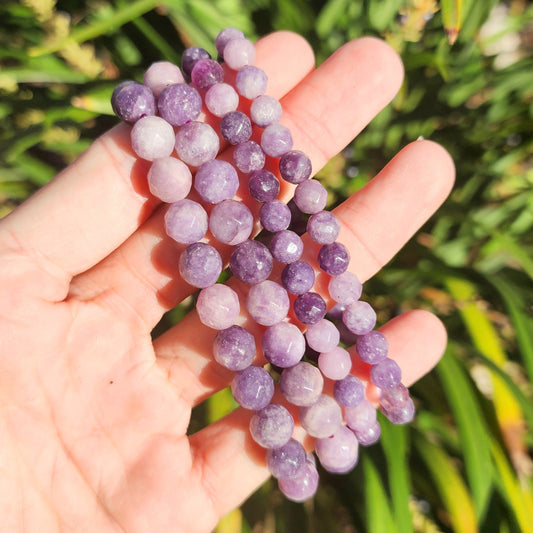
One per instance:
(165,112)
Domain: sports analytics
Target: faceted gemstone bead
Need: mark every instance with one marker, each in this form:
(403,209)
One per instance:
(349,391)
(287,460)
(160,75)
(321,419)
(276,140)
(323,227)
(152,138)
(216,180)
(186,221)
(221,99)
(226,35)
(251,262)
(169,179)
(132,100)
(286,246)
(335,364)
(263,185)
(386,374)
(200,265)
(274,216)
(301,384)
(248,156)
(206,72)
(369,435)
(372,347)
(272,426)
(298,277)
(295,166)
(239,53)
(333,258)
(179,103)
(251,82)
(338,453)
(267,302)
(283,344)
(310,196)
(231,222)
(309,307)
(235,127)
(359,317)
(265,110)
(302,486)
(345,288)
(360,417)
(234,348)
(402,414)
(322,336)
(218,306)
(196,143)
(253,388)
(190,56)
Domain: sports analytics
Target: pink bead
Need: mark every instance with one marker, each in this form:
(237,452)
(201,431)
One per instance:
(169,179)
(322,336)
(345,288)
(335,364)
(152,137)
(239,53)
(160,75)
(218,306)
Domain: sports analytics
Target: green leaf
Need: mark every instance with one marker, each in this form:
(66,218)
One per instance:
(453,12)
(329,16)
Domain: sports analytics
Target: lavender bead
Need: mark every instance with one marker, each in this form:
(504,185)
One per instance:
(372,347)
(386,374)
(263,185)
(206,72)
(169,179)
(338,453)
(286,246)
(295,166)
(179,103)
(251,262)
(221,99)
(235,127)
(335,364)
(298,277)
(345,288)
(309,307)
(234,348)
(218,306)
(301,384)
(322,419)
(401,414)
(310,196)
(323,336)
(253,388)
(200,265)
(231,222)
(349,392)
(186,221)
(287,460)
(267,302)
(225,36)
(152,138)
(276,140)
(333,258)
(265,110)
(160,75)
(190,56)
(132,100)
(323,227)
(196,143)
(302,486)
(359,317)
(283,344)
(369,435)
(360,417)
(274,216)
(251,82)
(394,398)
(272,426)
(248,156)
(239,53)
(216,180)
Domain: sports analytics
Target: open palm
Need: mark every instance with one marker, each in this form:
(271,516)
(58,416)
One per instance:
(93,414)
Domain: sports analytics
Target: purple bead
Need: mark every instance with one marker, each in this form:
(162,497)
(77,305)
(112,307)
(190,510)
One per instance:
(368,435)
(216,180)
(263,185)
(251,82)
(190,56)
(265,110)
(386,374)
(231,222)
(309,307)
(218,306)
(338,453)
(226,35)
(359,317)
(196,143)
(295,166)
(394,398)
(221,99)
(283,344)
(360,417)
(310,196)
(160,75)
(267,302)
(372,347)
(321,419)
(287,460)
(298,277)
(200,265)
(301,384)
(302,486)
(179,103)
(251,262)
(248,156)
(234,348)
(402,414)
(239,53)
(323,227)
(272,426)
(274,216)
(276,140)
(186,221)
(345,288)
(286,246)
(206,72)
(349,392)
(333,258)
(253,388)
(132,100)
(235,127)
(152,138)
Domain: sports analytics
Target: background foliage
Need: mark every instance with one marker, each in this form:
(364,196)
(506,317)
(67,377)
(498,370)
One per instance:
(464,465)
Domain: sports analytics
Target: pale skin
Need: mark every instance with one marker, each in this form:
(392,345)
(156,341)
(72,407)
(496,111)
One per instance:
(93,414)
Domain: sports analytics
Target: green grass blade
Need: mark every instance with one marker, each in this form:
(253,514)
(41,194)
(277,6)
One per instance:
(453,12)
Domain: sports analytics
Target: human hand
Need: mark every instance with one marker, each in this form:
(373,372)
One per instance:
(94,415)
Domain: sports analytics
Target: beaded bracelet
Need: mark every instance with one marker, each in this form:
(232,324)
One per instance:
(163,112)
